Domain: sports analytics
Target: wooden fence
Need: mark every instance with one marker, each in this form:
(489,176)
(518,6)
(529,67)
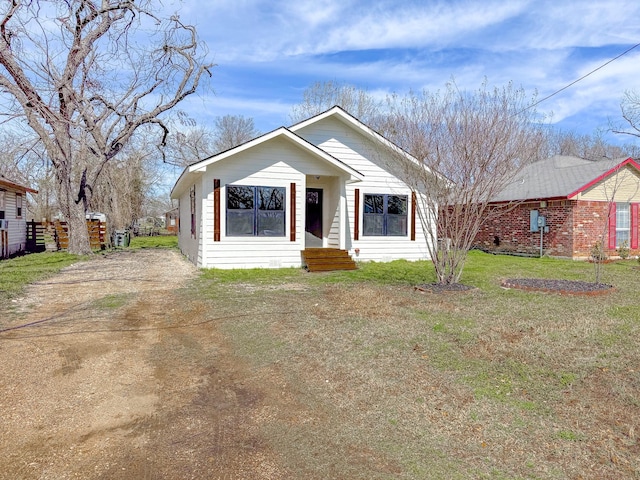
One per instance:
(35,237)
(4,244)
(97,234)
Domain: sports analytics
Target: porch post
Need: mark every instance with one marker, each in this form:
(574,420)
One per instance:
(343,216)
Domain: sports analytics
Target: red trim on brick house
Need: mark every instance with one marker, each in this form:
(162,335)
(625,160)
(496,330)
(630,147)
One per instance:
(635,208)
(628,161)
(612,225)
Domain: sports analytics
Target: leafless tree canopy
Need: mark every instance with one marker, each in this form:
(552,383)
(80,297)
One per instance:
(468,147)
(185,147)
(233,130)
(630,108)
(84,75)
(588,146)
(321,96)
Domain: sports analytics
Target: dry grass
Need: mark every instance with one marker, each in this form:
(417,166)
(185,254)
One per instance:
(369,379)
(135,366)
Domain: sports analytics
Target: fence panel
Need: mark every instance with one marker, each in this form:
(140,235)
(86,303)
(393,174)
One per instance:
(35,237)
(97,234)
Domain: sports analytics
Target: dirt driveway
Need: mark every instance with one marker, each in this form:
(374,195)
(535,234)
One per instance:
(107,372)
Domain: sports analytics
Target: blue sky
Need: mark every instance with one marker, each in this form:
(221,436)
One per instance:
(268,51)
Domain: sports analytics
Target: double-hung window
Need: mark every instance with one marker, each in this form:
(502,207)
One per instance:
(385,215)
(255,211)
(623,224)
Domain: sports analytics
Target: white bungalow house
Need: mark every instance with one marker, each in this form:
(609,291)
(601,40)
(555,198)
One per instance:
(13,226)
(324,183)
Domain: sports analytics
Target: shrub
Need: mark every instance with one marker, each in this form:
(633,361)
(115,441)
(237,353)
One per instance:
(598,252)
(623,250)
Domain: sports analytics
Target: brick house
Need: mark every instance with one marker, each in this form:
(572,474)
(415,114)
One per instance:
(571,203)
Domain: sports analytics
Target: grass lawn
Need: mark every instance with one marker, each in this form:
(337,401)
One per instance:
(17,272)
(359,376)
(375,380)
(157,241)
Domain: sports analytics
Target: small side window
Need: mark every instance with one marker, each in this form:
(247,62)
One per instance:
(18,205)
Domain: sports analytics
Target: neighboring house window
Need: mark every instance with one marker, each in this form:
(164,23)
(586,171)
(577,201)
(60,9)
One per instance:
(623,224)
(192,198)
(385,215)
(18,205)
(2,193)
(255,211)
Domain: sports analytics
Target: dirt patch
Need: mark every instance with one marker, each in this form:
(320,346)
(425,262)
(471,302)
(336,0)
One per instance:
(105,375)
(443,288)
(563,287)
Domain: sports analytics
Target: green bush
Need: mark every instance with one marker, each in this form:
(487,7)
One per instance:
(623,250)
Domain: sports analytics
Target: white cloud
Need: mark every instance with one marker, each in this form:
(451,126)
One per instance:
(272,49)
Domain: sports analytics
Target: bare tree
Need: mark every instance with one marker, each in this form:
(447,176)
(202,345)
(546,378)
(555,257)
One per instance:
(77,74)
(191,143)
(189,146)
(630,107)
(588,146)
(469,145)
(618,190)
(23,160)
(125,185)
(233,130)
(321,96)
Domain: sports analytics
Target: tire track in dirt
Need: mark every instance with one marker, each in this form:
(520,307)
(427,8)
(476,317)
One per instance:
(117,382)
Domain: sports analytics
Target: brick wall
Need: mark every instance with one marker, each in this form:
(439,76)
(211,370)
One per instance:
(590,225)
(574,228)
(512,230)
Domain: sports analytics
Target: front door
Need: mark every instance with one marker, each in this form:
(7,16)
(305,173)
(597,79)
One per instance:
(313,222)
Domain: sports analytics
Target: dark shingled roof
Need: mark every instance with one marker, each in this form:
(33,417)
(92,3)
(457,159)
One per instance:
(557,176)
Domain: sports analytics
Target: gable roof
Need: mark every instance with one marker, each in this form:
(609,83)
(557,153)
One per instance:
(6,183)
(348,119)
(560,177)
(197,168)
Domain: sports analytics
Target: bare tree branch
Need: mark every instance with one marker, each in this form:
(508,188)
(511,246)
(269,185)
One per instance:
(468,147)
(86,88)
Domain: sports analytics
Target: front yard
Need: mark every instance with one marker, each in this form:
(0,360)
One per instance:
(286,374)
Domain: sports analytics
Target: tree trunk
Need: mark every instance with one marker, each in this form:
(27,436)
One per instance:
(75,215)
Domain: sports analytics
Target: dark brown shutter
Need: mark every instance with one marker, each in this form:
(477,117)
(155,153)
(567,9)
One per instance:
(216,209)
(356,217)
(414,200)
(292,222)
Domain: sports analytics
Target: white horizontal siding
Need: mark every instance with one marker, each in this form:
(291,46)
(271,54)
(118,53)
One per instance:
(354,149)
(16,227)
(189,246)
(276,164)
(623,187)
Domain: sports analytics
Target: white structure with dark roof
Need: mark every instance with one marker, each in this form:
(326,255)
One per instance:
(323,183)
(13,226)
